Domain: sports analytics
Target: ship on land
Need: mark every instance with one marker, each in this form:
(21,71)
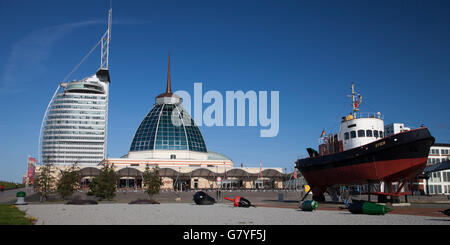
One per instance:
(361,154)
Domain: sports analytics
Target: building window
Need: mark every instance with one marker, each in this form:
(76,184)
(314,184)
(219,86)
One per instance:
(436,177)
(369,133)
(173,156)
(346,136)
(445,176)
(361,133)
(353,134)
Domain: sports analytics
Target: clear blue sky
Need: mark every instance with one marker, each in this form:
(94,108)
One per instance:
(397,52)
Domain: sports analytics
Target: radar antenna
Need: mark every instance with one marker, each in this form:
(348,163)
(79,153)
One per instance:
(357,100)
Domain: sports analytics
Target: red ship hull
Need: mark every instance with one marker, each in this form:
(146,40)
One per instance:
(394,158)
(390,170)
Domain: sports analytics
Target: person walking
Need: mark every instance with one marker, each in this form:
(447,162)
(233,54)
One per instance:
(2,188)
(346,196)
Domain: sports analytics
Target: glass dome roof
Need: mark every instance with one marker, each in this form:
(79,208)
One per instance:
(168,127)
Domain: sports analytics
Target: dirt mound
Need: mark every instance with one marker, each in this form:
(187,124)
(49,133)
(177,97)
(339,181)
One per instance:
(144,201)
(81,202)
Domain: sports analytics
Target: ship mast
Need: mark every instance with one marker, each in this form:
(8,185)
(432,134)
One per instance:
(357,100)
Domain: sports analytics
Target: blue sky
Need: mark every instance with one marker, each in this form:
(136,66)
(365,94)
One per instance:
(397,53)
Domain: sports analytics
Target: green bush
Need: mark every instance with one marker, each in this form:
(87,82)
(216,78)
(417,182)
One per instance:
(152,181)
(104,186)
(68,182)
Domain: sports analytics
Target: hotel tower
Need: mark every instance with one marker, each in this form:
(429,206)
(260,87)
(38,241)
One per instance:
(74,128)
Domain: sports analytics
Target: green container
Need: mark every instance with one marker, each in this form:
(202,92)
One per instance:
(20,194)
(375,209)
(309,205)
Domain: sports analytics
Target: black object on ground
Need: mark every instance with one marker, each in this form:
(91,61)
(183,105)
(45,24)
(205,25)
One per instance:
(144,201)
(365,207)
(446,212)
(201,198)
(239,201)
(81,202)
(356,206)
(245,203)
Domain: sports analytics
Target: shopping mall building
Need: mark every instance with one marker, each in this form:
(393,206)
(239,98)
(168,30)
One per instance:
(169,139)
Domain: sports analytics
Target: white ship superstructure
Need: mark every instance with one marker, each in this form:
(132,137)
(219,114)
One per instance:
(359,129)
(74,129)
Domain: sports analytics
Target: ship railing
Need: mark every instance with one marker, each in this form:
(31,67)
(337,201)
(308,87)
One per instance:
(369,115)
(326,139)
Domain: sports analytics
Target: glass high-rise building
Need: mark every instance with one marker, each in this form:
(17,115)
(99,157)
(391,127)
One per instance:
(76,127)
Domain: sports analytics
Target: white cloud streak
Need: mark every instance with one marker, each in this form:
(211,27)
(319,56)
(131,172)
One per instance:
(29,55)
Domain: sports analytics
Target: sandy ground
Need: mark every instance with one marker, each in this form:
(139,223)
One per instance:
(218,214)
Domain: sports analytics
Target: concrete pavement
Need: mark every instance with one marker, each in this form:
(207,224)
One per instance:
(9,196)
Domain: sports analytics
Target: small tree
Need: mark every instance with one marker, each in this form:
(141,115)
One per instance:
(152,181)
(46,180)
(68,182)
(104,186)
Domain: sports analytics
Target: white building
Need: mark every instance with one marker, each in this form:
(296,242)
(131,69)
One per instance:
(76,126)
(439,182)
(395,128)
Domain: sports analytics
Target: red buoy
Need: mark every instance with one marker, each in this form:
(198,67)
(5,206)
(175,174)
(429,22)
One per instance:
(235,200)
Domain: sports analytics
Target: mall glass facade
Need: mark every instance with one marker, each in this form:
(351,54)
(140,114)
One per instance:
(168,127)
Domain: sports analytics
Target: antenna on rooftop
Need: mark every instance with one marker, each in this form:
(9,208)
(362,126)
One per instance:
(104,58)
(357,100)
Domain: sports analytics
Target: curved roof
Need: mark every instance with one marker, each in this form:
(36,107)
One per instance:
(236,172)
(437,167)
(89,171)
(202,172)
(168,172)
(217,156)
(128,172)
(270,173)
(168,127)
(198,172)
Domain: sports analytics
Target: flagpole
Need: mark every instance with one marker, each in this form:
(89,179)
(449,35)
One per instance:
(260,173)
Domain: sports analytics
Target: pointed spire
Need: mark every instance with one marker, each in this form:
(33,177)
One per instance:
(174,99)
(168,88)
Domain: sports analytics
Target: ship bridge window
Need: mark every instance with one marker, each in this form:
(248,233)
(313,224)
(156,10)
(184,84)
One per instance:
(375,133)
(361,133)
(369,133)
(346,135)
(381,134)
(353,134)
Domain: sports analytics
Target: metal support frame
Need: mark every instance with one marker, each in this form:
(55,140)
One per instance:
(397,192)
(104,57)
